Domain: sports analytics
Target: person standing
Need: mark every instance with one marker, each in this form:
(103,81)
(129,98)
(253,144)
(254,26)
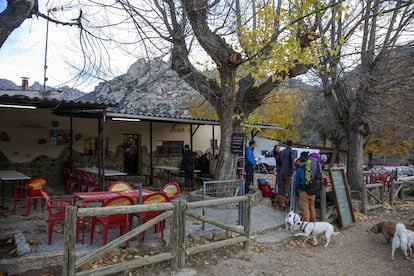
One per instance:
(306,201)
(249,165)
(276,155)
(287,166)
(188,165)
(204,165)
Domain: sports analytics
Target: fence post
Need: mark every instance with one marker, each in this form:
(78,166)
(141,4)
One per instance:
(392,192)
(247,217)
(324,215)
(242,205)
(364,198)
(174,233)
(69,254)
(182,206)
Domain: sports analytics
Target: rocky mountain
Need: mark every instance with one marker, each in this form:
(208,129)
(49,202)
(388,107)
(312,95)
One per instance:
(148,88)
(8,85)
(65,92)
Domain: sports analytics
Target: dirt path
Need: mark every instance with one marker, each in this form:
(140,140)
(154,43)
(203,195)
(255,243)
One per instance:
(355,251)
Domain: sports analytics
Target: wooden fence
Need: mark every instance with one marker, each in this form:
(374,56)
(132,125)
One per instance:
(176,211)
(397,189)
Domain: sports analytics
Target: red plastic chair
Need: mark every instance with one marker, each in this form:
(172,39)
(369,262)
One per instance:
(88,183)
(31,192)
(120,186)
(155,198)
(172,190)
(111,221)
(72,180)
(56,211)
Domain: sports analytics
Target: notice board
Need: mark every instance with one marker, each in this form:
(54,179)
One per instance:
(342,197)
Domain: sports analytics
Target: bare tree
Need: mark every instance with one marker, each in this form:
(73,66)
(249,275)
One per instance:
(354,95)
(210,32)
(215,31)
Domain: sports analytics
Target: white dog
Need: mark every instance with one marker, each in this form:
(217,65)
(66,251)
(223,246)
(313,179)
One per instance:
(404,239)
(290,220)
(314,229)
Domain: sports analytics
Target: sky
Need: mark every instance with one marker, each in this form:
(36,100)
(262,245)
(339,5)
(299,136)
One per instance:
(23,53)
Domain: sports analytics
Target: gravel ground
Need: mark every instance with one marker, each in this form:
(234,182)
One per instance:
(355,251)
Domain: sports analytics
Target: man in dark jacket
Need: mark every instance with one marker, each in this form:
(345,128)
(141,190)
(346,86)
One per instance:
(188,165)
(287,166)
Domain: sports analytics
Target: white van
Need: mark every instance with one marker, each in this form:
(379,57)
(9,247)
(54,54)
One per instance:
(266,163)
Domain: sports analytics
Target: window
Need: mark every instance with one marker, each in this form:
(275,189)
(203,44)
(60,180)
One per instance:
(170,148)
(90,145)
(59,137)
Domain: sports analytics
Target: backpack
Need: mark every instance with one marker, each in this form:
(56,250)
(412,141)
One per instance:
(313,176)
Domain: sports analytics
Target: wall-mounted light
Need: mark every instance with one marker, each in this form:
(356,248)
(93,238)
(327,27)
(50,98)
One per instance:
(18,106)
(126,119)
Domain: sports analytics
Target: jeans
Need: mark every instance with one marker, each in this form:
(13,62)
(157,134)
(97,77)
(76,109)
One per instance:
(249,178)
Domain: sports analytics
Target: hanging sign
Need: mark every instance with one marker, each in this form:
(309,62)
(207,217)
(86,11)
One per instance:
(237,142)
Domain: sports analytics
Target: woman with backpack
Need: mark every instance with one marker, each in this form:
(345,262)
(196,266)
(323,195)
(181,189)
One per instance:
(306,201)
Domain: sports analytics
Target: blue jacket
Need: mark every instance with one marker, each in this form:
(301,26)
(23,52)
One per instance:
(249,157)
(300,179)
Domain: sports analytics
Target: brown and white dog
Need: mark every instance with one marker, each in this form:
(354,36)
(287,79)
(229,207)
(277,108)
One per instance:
(387,228)
(280,201)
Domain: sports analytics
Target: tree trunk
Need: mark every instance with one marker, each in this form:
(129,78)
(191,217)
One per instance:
(356,142)
(227,163)
(14,15)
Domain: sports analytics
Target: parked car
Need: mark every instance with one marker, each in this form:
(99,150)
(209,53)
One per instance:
(266,163)
(402,171)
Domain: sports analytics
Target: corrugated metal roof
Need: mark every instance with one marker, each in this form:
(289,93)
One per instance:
(181,119)
(55,103)
(85,108)
(49,101)
(165,118)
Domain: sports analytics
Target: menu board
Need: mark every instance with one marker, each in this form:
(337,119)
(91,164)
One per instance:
(237,142)
(342,197)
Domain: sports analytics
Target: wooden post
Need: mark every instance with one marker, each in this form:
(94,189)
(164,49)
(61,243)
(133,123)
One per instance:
(174,233)
(324,215)
(69,254)
(392,192)
(364,199)
(382,195)
(247,221)
(182,205)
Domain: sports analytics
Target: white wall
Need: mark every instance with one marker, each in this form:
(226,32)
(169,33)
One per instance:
(26,127)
